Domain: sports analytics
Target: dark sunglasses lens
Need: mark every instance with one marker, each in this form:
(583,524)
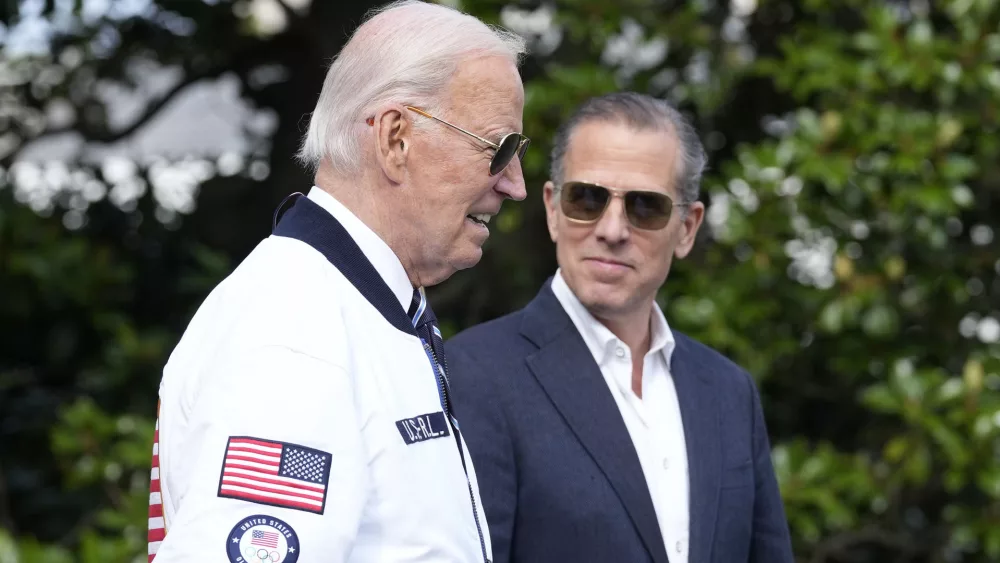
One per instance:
(504,154)
(584,202)
(648,210)
(523,149)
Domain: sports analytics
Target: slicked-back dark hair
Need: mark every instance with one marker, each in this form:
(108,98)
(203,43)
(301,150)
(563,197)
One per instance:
(640,112)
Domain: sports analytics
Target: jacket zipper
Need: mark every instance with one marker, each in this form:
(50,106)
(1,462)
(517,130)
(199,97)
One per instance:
(442,388)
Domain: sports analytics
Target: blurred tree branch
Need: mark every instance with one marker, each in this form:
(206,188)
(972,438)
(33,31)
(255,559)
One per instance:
(241,62)
(151,110)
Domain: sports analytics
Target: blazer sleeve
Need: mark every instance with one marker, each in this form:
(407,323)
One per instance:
(771,541)
(483,422)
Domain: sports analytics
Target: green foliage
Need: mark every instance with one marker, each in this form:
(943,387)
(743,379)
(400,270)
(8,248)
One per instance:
(78,379)
(883,168)
(848,258)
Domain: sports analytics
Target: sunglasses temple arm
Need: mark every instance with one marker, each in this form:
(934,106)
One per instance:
(457,128)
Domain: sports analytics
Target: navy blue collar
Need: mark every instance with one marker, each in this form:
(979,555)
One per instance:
(308,222)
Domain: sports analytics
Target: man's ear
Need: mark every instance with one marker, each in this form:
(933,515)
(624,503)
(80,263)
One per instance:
(551,209)
(690,223)
(393,131)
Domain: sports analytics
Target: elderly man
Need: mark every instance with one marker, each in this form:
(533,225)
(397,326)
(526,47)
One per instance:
(599,434)
(305,414)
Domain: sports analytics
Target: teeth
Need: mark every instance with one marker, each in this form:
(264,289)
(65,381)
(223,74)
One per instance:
(481,217)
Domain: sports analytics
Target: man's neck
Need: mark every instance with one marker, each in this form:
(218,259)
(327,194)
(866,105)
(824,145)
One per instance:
(360,198)
(633,328)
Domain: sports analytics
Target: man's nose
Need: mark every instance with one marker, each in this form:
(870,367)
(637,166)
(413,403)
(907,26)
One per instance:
(511,182)
(613,226)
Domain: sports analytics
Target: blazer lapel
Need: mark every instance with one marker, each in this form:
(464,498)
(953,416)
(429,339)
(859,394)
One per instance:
(566,370)
(700,416)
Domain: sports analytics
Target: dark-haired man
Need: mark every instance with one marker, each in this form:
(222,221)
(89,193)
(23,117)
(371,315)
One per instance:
(599,434)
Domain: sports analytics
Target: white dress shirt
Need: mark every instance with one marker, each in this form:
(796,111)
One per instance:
(287,368)
(653,421)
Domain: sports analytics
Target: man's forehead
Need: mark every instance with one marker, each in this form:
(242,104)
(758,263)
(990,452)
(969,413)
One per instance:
(618,156)
(489,90)
(600,133)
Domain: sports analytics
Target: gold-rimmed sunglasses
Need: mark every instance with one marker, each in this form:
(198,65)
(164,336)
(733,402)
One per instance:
(512,144)
(585,202)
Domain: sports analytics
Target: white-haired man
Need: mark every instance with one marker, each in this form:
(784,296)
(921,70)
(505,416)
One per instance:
(304,415)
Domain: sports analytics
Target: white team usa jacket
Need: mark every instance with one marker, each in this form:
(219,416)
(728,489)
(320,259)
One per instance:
(300,421)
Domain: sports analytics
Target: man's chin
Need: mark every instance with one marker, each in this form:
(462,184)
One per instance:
(469,258)
(465,260)
(604,304)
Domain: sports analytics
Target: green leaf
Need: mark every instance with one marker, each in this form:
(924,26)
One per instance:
(8,548)
(949,441)
(988,480)
(881,321)
(957,168)
(917,467)
(881,398)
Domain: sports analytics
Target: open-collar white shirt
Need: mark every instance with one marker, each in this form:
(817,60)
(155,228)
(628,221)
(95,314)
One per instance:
(653,421)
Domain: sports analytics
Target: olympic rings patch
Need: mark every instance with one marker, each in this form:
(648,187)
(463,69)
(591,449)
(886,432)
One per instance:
(262,539)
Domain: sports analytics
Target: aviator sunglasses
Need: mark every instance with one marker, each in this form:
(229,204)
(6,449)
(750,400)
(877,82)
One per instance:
(584,202)
(512,144)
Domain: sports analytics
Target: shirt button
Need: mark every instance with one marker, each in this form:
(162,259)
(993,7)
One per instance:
(666,464)
(620,352)
(679,546)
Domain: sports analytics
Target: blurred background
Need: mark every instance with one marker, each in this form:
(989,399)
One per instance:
(849,258)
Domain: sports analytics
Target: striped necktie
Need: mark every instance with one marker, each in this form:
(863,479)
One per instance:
(425,323)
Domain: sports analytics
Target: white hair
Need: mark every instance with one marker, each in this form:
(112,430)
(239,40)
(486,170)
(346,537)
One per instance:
(405,52)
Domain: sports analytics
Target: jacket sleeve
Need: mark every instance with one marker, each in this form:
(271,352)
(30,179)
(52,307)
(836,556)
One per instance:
(273,466)
(771,541)
(483,423)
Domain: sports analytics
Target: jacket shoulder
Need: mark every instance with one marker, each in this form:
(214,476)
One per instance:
(487,334)
(720,367)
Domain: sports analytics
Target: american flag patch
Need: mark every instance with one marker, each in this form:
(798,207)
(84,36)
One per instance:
(275,473)
(266,539)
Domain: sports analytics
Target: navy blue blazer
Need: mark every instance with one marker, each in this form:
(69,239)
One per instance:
(559,476)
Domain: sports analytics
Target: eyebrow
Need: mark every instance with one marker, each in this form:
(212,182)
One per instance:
(502,132)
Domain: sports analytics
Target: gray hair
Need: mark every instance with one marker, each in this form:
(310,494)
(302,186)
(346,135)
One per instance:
(642,113)
(405,52)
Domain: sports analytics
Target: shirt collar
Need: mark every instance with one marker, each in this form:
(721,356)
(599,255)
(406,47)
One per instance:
(661,338)
(382,257)
(599,340)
